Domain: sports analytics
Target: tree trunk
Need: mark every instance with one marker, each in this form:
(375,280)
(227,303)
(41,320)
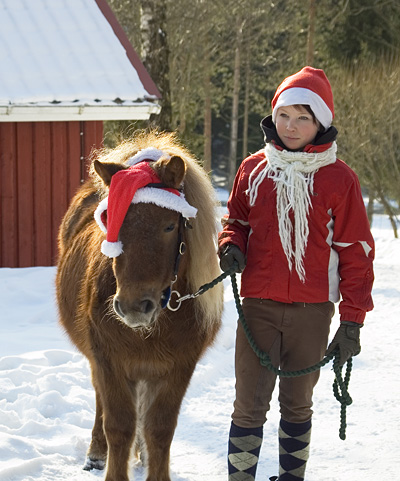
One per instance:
(207,114)
(235,111)
(245,148)
(310,35)
(370,206)
(155,56)
(380,194)
(389,211)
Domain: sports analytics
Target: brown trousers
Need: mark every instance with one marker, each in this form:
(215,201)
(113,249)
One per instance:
(295,336)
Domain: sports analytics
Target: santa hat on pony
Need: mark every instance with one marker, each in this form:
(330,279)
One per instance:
(132,186)
(310,86)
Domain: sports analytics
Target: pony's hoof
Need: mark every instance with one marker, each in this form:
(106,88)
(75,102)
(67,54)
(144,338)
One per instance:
(94,464)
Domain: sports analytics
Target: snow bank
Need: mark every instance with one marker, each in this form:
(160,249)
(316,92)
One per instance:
(47,401)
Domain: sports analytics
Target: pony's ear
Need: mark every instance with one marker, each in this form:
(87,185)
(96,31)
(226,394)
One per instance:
(105,170)
(171,171)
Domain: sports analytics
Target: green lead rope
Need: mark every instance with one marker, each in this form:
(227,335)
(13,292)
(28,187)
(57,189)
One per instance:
(340,385)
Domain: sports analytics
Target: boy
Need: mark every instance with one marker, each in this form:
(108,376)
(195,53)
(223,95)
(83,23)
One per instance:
(298,229)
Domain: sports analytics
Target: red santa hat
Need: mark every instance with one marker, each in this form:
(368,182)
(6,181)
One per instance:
(130,186)
(310,87)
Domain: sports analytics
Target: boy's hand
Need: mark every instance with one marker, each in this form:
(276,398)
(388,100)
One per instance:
(347,338)
(229,256)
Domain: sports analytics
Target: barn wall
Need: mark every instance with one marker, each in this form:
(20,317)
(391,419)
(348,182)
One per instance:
(42,164)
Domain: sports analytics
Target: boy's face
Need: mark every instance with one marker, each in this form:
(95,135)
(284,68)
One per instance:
(295,126)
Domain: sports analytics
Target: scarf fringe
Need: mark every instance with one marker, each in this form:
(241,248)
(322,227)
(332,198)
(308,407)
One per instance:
(293,175)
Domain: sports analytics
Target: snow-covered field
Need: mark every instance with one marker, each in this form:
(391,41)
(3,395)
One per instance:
(47,401)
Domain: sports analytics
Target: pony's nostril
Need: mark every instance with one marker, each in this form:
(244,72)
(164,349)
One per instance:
(147,306)
(117,308)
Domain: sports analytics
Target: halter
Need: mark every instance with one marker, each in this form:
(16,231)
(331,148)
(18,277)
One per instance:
(140,184)
(183,224)
(166,295)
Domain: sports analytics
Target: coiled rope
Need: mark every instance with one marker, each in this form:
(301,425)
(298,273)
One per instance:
(340,384)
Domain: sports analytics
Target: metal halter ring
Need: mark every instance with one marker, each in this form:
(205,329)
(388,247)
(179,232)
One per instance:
(182,248)
(180,299)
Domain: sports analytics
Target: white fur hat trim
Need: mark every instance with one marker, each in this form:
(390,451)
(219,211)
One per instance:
(149,153)
(164,198)
(97,214)
(302,96)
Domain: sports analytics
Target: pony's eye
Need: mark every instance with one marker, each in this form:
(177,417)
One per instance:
(170,228)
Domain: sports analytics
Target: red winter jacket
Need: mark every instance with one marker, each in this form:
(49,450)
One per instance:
(340,248)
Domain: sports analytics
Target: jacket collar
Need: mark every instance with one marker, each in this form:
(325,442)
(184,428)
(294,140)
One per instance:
(322,141)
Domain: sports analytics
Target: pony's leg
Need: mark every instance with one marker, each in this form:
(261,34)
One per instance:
(119,423)
(160,422)
(97,454)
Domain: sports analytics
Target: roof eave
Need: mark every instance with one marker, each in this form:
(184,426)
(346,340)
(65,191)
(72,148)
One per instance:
(54,113)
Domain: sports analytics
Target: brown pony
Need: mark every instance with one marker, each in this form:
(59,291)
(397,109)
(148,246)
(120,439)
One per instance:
(142,355)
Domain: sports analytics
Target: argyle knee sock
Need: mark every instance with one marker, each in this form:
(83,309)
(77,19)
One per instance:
(243,452)
(294,445)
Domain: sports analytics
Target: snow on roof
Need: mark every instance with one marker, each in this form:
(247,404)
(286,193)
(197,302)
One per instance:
(63,57)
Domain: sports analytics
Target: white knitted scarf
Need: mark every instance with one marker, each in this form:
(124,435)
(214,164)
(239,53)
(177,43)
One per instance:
(293,174)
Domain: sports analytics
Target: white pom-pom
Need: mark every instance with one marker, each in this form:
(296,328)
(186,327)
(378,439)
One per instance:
(111,249)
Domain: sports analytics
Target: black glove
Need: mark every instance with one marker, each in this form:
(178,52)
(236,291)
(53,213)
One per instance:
(229,256)
(347,338)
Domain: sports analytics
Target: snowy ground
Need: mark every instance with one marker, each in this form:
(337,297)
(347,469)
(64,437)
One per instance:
(47,402)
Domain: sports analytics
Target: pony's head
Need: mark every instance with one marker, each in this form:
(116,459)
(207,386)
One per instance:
(150,233)
(144,218)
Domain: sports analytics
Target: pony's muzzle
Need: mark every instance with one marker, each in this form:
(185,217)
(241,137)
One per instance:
(138,312)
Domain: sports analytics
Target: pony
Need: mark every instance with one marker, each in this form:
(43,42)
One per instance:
(114,307)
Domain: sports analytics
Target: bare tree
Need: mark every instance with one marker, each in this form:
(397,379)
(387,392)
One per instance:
(246,107)
(366,98)
(207,132)
(311,29)
(235,105)
(155,55)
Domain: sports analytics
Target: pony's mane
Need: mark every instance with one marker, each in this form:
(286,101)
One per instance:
(202,239)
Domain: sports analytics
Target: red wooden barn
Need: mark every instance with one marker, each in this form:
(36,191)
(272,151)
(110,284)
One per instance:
(66,66)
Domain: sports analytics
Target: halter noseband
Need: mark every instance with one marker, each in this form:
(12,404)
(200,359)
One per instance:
(183,224)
